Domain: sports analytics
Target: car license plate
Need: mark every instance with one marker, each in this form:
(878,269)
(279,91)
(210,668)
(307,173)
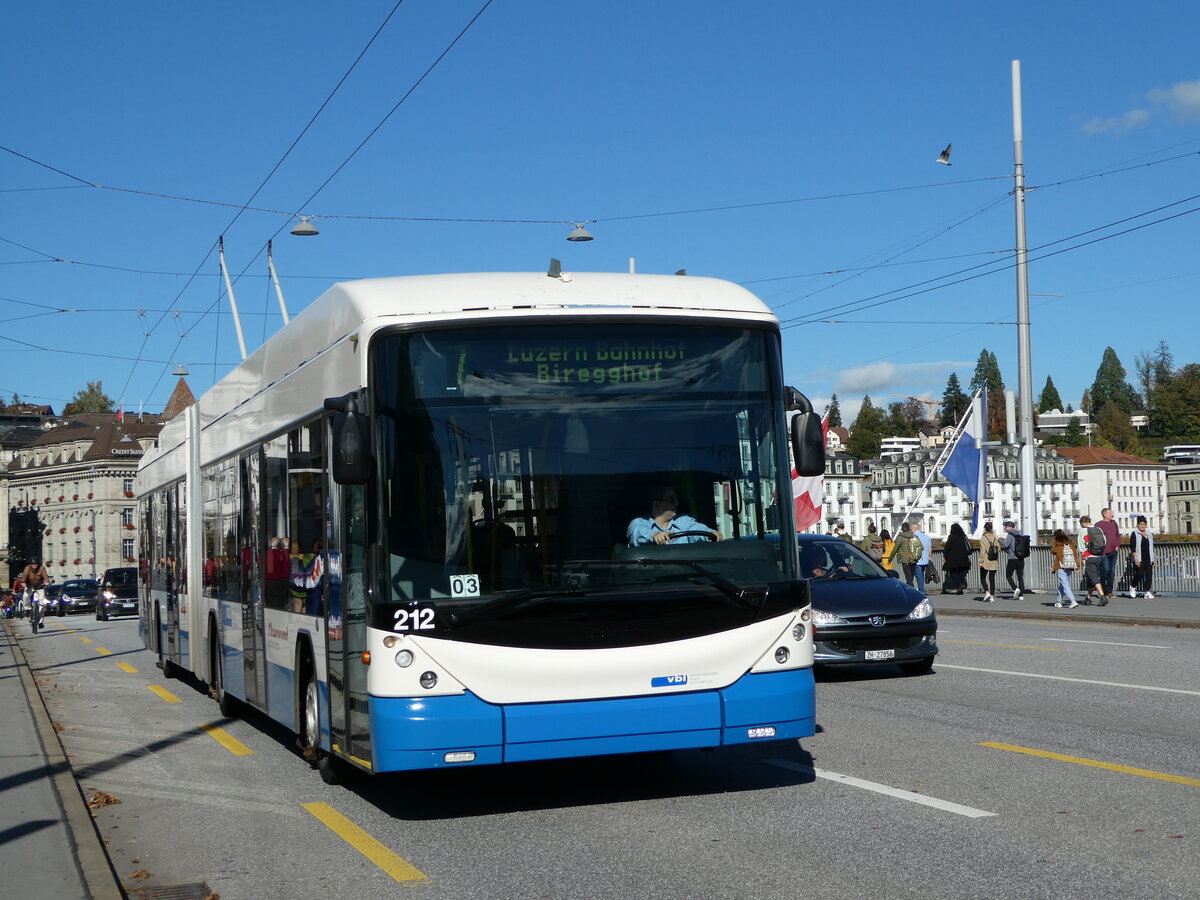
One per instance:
(880,654)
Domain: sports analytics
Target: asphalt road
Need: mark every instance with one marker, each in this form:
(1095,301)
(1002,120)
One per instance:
(1040,759)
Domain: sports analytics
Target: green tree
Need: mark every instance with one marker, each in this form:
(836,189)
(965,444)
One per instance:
(1176,410)
(1110,386)
(905,417)
(954,402)
(866,434)
(1113,429)
(1074,436)
(987,373)
(91,399)
(1154,369)
(1049,399)
(835,412)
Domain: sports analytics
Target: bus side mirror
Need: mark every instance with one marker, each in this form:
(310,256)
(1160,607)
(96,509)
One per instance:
(808,444)
(350,456)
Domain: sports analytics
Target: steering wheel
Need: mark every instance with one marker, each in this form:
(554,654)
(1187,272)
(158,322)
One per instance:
(704,534)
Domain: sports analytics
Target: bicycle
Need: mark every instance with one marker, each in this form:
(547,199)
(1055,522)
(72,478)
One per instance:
(37,611)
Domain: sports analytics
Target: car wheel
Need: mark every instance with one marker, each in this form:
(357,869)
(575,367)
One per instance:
(920,667)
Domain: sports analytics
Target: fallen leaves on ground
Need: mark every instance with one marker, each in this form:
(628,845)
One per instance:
(102,798)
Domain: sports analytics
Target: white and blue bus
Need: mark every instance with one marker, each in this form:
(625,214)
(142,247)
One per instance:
(402,527)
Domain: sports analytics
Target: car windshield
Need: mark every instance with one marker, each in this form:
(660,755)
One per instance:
(833,557)
(121,577)
(79,586)
(525,466)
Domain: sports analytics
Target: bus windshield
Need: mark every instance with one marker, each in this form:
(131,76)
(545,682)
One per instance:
(524,471)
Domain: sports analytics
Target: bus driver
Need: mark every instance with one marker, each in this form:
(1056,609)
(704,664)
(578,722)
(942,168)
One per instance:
(664,522)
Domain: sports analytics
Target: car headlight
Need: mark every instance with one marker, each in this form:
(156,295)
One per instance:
(821,617)
(922,610)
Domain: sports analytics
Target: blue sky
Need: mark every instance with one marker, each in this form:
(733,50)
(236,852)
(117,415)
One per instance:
(768,143)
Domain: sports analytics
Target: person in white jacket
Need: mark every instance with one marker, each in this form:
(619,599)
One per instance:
(1141,549)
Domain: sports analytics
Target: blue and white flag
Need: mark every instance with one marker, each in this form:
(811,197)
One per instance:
(966,466)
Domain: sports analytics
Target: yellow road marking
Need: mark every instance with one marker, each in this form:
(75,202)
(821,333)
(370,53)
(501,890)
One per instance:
(368,846)
(127,667)
(1013,646)
(227,740)
(164,693)
(86,640)
(1095,763)
(103,652)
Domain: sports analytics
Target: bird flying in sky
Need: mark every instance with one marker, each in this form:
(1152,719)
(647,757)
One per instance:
(944,157)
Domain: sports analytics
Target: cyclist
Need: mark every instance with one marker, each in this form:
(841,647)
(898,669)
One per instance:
(35,578)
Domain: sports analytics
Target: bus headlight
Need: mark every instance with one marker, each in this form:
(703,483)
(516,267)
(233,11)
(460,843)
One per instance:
(782,655)
(404,659)
(429,680)
(798,631)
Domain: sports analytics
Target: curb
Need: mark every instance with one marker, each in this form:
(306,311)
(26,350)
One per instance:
(99,876)
(1107,619)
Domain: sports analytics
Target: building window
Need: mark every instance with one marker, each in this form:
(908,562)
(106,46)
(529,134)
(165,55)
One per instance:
(127,548)
(128,485)
(127,516)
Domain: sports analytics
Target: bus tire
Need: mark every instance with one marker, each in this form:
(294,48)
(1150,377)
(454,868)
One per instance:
(310,717)
(226,702)
(169,668)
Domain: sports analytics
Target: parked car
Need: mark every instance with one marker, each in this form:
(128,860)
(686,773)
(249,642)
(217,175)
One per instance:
(117,594)
(862,613)
(77,595)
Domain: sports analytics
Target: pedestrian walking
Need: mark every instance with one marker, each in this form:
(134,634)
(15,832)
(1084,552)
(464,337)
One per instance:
(1094,541)
(908,551)
(889,550)
(926,543)
(1112,534)
(1016,546)
(956,560)
(872,544)
(1141,553)
(1064,565)
(989,562)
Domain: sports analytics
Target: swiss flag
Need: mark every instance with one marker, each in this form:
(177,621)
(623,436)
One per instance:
(808,493)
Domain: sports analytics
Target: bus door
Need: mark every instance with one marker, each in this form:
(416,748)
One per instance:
(253,633)
(174,546)
(347,623)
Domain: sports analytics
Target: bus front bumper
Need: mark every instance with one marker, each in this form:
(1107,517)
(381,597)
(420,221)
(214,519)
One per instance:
(440,732)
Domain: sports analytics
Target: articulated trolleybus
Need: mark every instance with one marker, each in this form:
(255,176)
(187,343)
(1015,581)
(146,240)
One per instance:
(410,526)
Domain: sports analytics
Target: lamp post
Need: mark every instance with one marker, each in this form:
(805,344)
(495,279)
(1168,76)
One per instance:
(1029,524)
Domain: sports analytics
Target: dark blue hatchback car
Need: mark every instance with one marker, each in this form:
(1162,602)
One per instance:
(862,614)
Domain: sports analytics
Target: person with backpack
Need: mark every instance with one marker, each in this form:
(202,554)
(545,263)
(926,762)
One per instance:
(1093,543)
(1016,545)
(989,562)
(1064,566)
(908,551)
(872,544)
(956,560)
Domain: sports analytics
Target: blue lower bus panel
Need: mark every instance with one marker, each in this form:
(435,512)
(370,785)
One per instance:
(437,732)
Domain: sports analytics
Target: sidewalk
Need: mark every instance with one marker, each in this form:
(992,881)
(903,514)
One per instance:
(49,846)
(1177,611)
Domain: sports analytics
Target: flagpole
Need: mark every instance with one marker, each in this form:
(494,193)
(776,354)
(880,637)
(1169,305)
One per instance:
(946,449)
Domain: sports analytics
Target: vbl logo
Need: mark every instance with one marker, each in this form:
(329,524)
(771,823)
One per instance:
(668,680)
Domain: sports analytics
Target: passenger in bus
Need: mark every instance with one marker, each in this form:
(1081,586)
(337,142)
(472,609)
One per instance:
(279,569)
(664,522)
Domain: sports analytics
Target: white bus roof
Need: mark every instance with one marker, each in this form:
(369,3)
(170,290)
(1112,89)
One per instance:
(351,311)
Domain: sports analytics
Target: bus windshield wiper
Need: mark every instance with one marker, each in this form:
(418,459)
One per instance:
(498,605)
(738,595)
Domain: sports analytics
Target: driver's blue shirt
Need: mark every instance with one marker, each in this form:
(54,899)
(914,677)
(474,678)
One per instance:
(642,530)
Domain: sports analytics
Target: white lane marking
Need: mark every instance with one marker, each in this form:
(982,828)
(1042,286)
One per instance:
(944,805)
(1121,684)
(1109,643)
